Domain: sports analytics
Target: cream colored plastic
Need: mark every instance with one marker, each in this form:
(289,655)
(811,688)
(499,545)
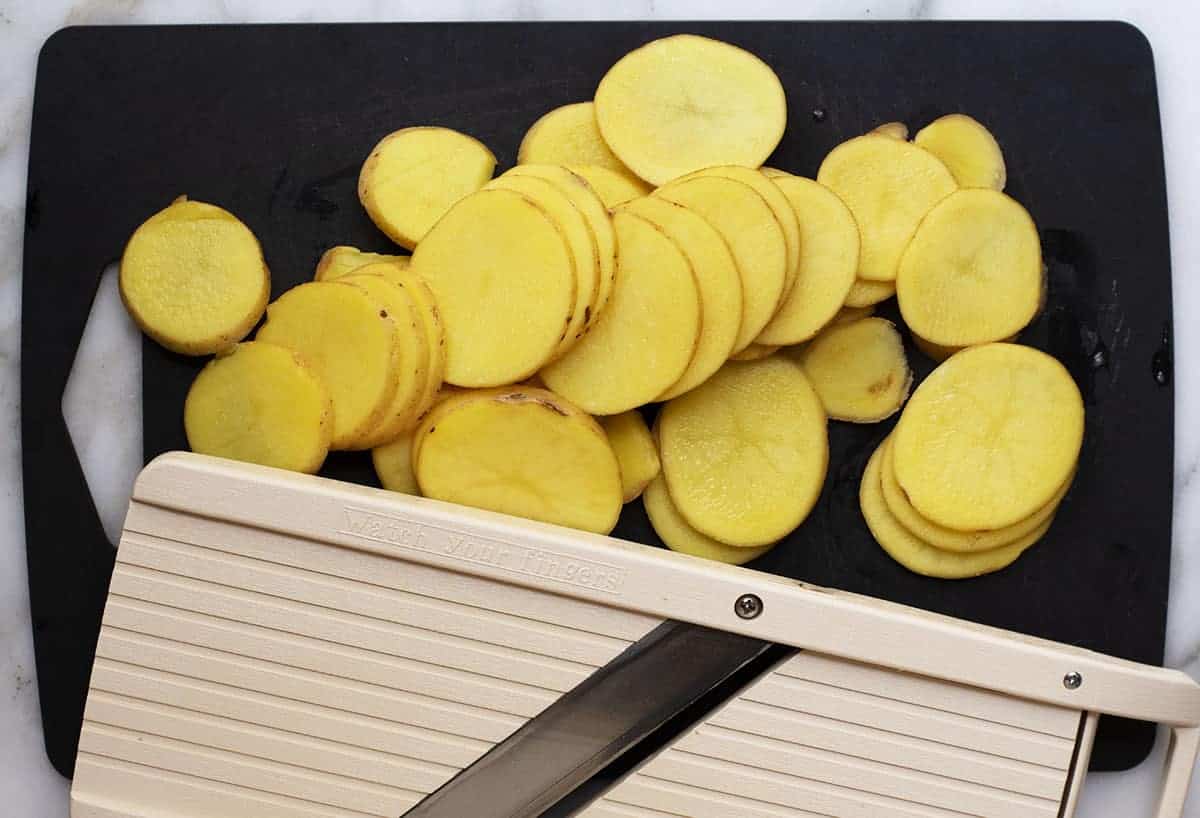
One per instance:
(283,646)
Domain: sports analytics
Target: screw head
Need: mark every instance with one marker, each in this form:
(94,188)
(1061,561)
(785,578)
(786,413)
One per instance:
(1072,681)
(748,606)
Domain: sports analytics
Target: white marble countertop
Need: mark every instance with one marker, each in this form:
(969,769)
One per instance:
(30,788)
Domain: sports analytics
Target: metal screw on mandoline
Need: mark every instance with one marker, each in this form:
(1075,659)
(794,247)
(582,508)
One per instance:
(748,606)
(1072,681)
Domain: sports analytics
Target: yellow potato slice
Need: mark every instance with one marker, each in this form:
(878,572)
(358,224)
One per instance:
(644,340)
(193,278)
(896,130)
(393,465)
(889,185)
(859,370)
(504,281)
(865,293)
(919,556)
(685,102)
(637,454)
(343,260)
(828,262)
(414,175)
(579,238)
(581,194)
(569,135)
(525,452)
(677,535)
(448,399)
(967,148)
(431,321)
(850,314)
(973,271)
(260,403)
(350,341)
(948,539)
(613,187)
(744,455)
(989,437)
(719,284)
(780,206)
(412,350)
(755,352)
(754,236)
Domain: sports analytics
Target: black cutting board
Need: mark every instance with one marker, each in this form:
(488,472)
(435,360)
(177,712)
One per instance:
(273,122)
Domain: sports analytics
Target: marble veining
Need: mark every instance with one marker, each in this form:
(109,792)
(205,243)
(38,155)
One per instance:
(29,787)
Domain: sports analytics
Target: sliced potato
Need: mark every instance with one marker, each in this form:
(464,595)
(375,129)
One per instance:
(717,277)
(504,281)
(350,341)
(865,293)
(989,437)
(744,454)
(448,399)
(343,260)
(967,148)
(581,194)
(393,465)
(677,535)
(685,102)
(414,175)
(828,262)
(260,403)
(525,452)
(919,556)
(412,350)
(569,135)
(193,278)
(973,271)
(613,187)
(896,130)
(754,236)
(579,238)
(754,352)
(644,340)
(637,454)
(859,370)
(849,314)
(948,539)
(780,206)
(889,185)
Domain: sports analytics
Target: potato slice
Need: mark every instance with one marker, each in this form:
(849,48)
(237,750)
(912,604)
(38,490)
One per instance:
(850,314)
(414,175)
(577,189)
(973,272)
(569,135)
(504,281)
(859,370)
(579,238)
(896,130)
(193,278)
(865,293)
(613,187)
(948,539)
(431,320)
(755,352)
(393,465)
(780,207)
(637,454)
(260,403)
(919,556)
(717,277)
(989,437)
(350,341)
(644,340)
(754,236)
(967,148)
(525,452)
(412,349)
(677,535)
(744,454)
(828,262)
(685,102)
(889,185)
(343,260)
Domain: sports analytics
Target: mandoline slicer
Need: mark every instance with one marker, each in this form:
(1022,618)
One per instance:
(284,646)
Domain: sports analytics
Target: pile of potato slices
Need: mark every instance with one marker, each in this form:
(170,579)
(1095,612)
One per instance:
(640,261)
